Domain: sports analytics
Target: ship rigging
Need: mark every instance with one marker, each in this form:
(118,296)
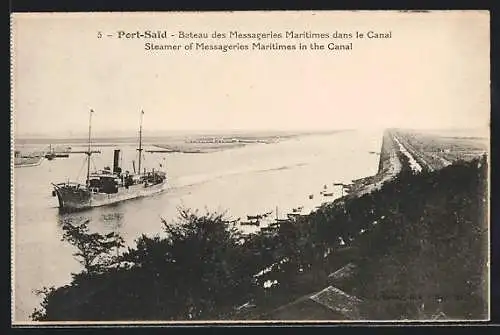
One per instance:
(107,186)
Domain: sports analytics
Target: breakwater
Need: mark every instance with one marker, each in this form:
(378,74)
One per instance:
(389,163)
(389,166)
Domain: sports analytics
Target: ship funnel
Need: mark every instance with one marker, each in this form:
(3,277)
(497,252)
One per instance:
(116,160)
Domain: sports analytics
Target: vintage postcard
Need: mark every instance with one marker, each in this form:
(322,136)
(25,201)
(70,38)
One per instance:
(229,167)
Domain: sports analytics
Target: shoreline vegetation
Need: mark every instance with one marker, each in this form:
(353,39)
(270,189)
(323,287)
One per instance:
(408,243)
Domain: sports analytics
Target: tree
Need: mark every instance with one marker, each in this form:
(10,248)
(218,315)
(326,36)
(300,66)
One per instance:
(207,262)
(94,250)
(429,255)
(197,271)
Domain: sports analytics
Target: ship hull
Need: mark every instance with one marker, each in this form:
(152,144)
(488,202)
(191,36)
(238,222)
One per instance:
(76,198)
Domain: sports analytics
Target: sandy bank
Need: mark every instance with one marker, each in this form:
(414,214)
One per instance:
(389,166)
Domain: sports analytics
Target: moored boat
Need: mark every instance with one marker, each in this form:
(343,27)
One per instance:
(255,222)
(52,153)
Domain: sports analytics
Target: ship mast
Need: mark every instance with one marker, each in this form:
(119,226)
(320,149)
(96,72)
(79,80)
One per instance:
(89,152)
(140,143)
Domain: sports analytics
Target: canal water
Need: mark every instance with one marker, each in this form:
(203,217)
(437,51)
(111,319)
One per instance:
(249,180)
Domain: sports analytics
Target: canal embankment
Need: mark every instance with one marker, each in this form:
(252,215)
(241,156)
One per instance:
(390,164)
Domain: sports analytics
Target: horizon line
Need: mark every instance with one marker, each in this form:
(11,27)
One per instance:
(155,133)
(160,133)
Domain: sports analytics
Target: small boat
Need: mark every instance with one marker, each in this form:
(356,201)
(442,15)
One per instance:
(50,154)
(311,196)
(328,194)
(106,186)
(293,216)
(269,229)
(250,223)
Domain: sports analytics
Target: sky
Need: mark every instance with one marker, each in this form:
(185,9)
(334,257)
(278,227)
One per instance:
(432,73)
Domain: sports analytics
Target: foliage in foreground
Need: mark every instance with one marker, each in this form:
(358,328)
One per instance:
(425,254)
(428,258)
(188,274)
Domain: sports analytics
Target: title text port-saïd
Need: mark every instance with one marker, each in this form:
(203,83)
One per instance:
(260,36)
(164,34)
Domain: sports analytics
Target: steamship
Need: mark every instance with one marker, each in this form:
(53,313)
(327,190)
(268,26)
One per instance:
(106,186)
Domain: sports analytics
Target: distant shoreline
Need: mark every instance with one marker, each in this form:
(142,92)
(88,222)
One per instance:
(160,138)
(182,144)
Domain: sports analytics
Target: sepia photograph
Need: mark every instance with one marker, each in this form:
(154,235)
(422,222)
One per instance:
(250,167)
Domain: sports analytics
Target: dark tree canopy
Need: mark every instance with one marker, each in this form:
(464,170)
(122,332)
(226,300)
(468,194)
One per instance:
(419,243)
